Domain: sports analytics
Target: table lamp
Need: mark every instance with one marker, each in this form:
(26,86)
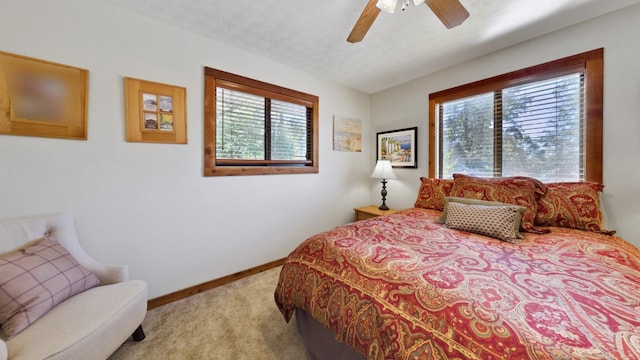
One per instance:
(384,171)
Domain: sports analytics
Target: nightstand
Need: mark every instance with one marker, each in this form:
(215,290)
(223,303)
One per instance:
(370,211)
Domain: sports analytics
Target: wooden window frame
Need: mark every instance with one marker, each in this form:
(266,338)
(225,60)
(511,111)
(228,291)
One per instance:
(590,62)
(223,167)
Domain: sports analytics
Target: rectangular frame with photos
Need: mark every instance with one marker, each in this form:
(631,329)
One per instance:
(398,146)
(42,98)
(155,112)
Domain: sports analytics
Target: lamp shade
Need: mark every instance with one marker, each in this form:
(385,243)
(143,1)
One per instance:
(387,5)
(383,170)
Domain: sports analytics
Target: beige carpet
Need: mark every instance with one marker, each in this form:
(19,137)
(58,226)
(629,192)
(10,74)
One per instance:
(238,320)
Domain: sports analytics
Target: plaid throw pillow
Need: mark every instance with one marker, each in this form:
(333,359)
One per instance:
(35,279)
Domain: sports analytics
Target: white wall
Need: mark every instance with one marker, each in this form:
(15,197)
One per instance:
(407,105)
(148,205)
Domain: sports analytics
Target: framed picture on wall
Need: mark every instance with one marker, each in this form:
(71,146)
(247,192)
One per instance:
(42,98)
(155,112)
(347,134)
(398,146)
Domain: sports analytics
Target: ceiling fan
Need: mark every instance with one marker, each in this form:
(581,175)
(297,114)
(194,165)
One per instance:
(450,12)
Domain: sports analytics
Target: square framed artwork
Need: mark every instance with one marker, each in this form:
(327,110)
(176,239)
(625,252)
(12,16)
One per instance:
(398,146)
(347,134)
(41,98)
(155,112)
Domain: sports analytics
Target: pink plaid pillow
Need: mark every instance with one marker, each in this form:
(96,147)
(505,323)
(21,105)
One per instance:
(35,279)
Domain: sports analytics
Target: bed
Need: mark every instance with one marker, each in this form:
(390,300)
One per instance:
(411,285)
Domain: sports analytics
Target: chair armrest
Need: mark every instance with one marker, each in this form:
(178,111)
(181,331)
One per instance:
(108,274)
(3,351)
(63,229)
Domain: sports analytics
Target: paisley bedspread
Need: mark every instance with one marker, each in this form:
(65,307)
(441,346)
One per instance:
(404,287)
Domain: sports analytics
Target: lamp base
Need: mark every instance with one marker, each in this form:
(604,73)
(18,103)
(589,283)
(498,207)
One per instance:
(384,195)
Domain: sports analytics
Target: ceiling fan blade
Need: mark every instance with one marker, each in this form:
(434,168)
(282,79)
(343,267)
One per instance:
(368,16)
(450,12)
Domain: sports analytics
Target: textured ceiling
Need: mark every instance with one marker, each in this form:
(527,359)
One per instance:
(311,34)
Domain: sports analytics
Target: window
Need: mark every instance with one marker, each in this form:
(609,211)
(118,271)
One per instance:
(544,122)
(255,128)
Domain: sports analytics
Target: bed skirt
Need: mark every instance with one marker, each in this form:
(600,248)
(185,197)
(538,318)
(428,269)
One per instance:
(320,341)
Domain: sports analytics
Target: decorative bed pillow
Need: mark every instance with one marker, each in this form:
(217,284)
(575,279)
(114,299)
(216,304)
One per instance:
(573,205)
(516,226)
(432,193)
(519,190)
(495,221)
(540,187)
(35,279)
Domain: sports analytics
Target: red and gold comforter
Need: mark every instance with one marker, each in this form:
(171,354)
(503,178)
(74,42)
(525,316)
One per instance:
(404,287)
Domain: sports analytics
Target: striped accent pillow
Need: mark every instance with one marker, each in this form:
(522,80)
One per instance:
(35,279)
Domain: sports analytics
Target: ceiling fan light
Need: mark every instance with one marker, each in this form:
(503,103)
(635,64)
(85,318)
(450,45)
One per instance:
(418,2)
(387,5)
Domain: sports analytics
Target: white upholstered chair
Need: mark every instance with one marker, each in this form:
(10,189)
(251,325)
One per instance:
(89,325)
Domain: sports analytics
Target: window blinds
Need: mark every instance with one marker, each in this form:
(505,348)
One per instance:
(251,127)
(534,129)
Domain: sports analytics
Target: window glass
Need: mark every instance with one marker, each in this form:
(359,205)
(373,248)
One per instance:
(288,131)
(541,132)
(467,136)
(544,122)
(240,125)
(531,130)
(256,128)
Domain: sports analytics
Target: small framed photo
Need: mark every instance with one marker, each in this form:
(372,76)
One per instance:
(149,102)
(155,112)
(398,146)
(166,104)
(150,121)
(166,122)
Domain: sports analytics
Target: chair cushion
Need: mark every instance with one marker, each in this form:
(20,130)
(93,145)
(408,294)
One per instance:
(35,279)
(90,325)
